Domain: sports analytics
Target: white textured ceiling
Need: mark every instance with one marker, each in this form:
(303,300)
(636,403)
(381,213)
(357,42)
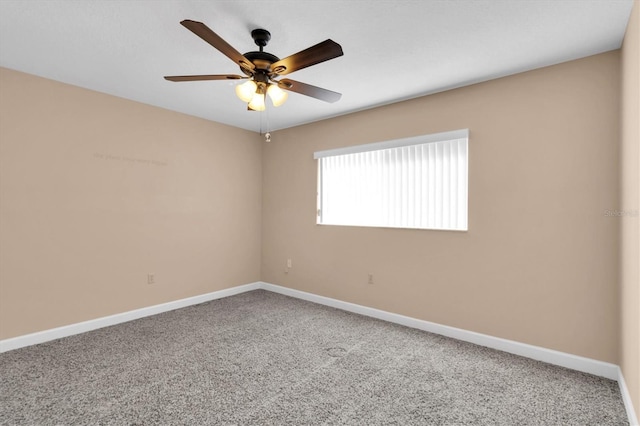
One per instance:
(393,50)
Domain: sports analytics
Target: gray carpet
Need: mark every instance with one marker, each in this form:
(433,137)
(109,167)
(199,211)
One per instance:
(260,358)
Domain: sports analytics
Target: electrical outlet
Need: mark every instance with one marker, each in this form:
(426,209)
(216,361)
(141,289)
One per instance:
(151,278)
(289,263)
(370,278)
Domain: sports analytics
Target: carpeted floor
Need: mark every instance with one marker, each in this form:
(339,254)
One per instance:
(260,358)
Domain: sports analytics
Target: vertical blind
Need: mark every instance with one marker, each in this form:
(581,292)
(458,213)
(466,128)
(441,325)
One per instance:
(418,182)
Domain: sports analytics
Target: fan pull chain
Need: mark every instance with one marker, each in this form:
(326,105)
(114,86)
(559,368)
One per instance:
(267,135)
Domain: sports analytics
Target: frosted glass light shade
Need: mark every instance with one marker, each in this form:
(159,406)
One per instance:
(245,91)
(257,102)
(277,95)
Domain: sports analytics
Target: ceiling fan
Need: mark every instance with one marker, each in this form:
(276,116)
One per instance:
(262,68)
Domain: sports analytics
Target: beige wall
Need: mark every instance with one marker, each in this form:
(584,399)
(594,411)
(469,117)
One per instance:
(539,263)
(97,191)
(630,194)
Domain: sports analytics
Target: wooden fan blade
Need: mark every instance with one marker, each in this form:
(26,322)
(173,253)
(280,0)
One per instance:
(203,77)
(321,52)
(205,33)
(309,90)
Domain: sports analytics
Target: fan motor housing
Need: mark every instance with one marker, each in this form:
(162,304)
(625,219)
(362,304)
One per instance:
(262,61)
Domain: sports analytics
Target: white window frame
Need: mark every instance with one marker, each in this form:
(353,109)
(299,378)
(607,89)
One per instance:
(455,182)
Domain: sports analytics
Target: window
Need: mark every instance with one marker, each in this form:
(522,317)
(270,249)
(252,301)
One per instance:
(419,182)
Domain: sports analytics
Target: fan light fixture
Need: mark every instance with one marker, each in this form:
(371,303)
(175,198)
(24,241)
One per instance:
(254,94)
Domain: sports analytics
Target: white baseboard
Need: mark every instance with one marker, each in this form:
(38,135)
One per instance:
(82,327)
(574,362)
(626,398)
